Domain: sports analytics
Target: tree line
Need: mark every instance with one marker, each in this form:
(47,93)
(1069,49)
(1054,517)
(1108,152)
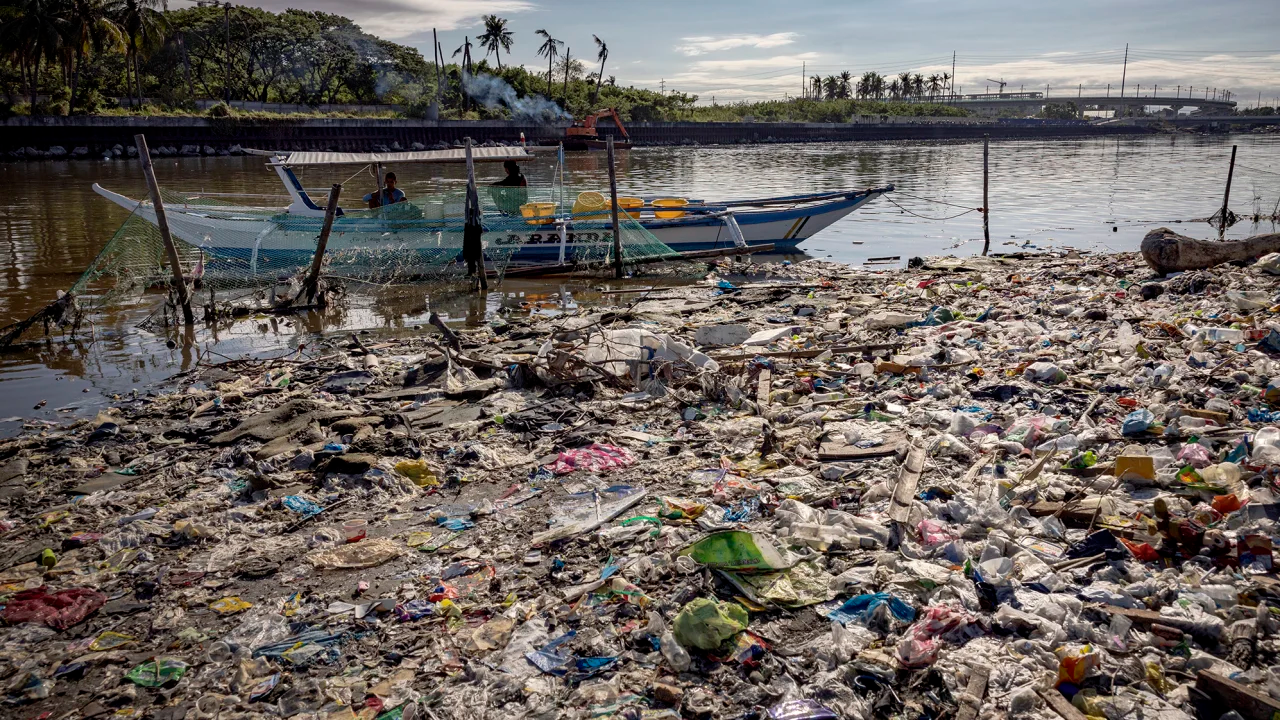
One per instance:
(84,56)
(904,87)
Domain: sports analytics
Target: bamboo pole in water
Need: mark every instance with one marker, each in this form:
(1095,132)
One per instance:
(1226,196)
(330,212)
(613,197)
(986,210)
(162,222)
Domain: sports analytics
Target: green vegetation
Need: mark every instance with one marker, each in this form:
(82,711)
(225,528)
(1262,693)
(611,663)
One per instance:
(119,57)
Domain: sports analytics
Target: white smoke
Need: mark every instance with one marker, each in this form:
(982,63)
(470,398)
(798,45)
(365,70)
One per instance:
(493,92)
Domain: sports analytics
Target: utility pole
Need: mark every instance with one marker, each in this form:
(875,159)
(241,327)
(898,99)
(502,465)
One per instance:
(952,82)
(613,204)
(804,90)
(1123,73)
(662,86)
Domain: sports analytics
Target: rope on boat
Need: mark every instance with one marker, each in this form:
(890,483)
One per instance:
(926,217)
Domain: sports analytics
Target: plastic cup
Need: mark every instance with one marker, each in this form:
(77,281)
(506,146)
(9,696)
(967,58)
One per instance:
(355,530)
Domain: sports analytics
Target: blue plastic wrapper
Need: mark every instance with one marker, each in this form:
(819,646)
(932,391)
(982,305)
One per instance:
(302,506)
(455,524)
(801,710)
(861,607)
(548,660)
(1137,421)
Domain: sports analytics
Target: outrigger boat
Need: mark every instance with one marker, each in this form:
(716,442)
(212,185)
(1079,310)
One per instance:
(232,231)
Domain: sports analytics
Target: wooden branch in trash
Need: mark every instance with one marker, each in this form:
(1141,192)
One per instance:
(810,352)
(449,335)
(974,692)
(536,270)
(1166,251)
(1060,704)
(1250,704)
(162,223)
(1199,631)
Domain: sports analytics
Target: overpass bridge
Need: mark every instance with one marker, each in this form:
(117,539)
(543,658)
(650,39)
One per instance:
(1030,103)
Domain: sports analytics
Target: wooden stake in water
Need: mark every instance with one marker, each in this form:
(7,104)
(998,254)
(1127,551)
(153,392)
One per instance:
(613,198)
(162,222)
(313,277)
(1226,196)
(986,209)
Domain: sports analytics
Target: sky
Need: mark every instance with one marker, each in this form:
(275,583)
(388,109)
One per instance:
(742,50)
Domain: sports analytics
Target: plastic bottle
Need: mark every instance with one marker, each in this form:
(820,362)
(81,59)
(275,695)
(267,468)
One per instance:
(677,657)
(1227,335)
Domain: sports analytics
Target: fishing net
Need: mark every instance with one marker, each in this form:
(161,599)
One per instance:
(232,252)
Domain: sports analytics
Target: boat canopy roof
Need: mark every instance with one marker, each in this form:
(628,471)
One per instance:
(453,155)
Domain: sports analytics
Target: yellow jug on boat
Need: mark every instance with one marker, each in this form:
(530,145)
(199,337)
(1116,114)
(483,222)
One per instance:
(588,202)
(669,203)
(538,213)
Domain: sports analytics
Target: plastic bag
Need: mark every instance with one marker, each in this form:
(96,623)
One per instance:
(861,608)
(705,624)
(58,610)
(736,550)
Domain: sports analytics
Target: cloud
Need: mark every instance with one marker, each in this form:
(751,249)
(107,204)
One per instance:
(401,19)
(703,44)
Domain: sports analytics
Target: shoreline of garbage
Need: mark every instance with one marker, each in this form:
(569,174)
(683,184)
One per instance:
(1039,486)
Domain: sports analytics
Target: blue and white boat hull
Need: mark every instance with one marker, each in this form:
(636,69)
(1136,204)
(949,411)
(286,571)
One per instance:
(252,236)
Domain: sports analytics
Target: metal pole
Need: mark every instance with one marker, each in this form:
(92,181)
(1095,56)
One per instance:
(986,210)
(1226,196)
(1124,73)
(331,210)
(613,197)
(162,222)
(377,194)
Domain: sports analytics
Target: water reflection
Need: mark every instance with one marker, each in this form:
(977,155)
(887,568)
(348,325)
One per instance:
(1101,194)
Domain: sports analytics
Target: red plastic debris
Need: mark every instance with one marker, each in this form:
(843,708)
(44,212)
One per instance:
(59,610)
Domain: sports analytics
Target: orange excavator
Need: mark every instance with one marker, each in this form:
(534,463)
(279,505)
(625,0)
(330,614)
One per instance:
(582,134)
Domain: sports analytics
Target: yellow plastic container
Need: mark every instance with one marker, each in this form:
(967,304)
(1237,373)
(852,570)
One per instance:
(669,203)
(631,206)
(589,202)
(538,213)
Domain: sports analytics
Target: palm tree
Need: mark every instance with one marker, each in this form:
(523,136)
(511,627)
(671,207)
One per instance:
(935,84)
(867,87)
(89,29)
(602,54)
(904,85)
(143,26)
(550,49)
(895,89)
(917,85)
(816,82)
(946,83)
(846,85)
(831,87)
(496,37)
(33,32)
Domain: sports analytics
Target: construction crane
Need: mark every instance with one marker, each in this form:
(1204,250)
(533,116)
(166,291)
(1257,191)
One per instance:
(1001,83)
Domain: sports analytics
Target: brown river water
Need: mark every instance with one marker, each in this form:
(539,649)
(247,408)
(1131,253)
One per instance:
(1093,194)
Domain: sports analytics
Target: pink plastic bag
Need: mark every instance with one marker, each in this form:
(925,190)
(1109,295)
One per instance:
(58,610)
(593,458)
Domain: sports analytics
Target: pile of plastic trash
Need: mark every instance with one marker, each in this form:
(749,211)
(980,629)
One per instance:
(1035,487)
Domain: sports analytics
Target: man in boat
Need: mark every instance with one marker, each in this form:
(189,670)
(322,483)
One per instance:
(389,194)
(512,191)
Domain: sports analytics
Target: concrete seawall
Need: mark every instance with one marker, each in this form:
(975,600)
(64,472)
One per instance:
(94,135)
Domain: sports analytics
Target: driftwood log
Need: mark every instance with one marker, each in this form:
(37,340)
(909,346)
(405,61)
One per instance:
(1166,251)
